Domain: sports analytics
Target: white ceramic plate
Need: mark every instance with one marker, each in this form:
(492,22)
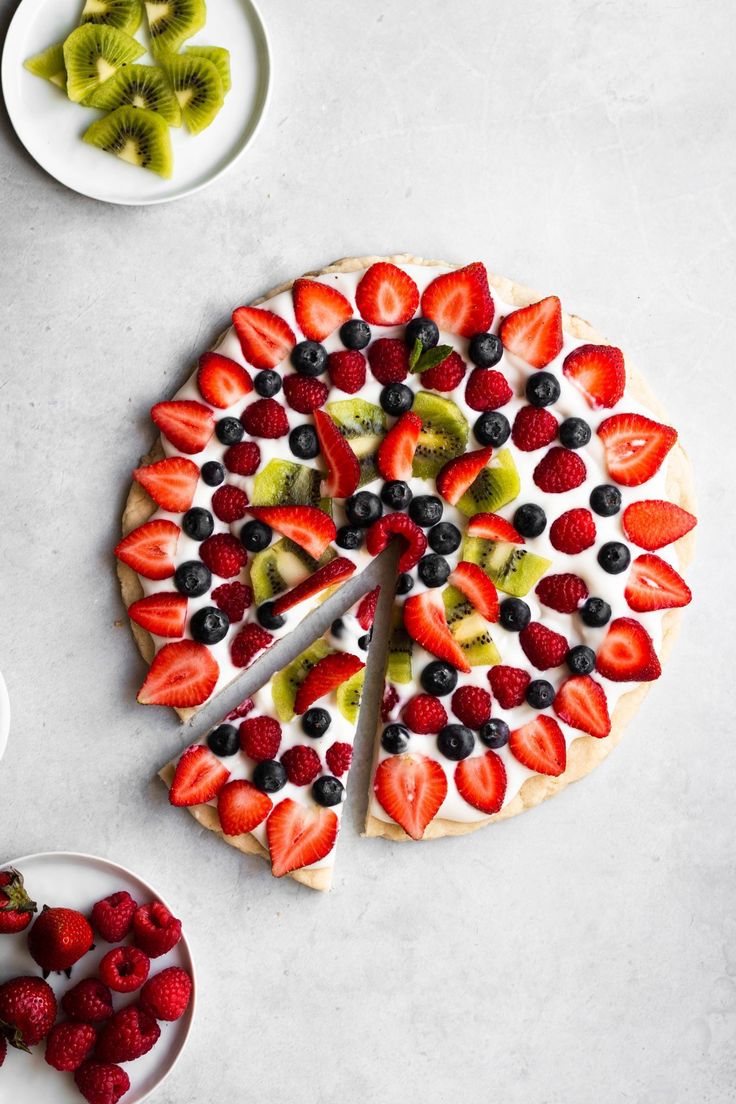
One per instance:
(77,881)
(4,716)
(50,126)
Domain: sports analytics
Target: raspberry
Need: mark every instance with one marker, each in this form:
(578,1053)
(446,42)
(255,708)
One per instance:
(229,503)
(401,525)
(302,764)
(112,917)
(155,930)
(100,1083)
(487,389)
(128,1035)
(241,710)
(265,418)
(445,376)
(305,393)
(166,996)
(509,685)
(573,531)
(424,714)
(124,969)
(68,1045)
(389,360)
(533,428)
(260,737)
(251,640)
(389,703)
(243,458)
(560,470)
(338,758)
(223,555)
(472,705)
(89,1002)
(542,646)
(233,599)
(564,593)
(347,370)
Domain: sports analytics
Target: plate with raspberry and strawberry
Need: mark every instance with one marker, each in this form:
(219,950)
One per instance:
(96,982)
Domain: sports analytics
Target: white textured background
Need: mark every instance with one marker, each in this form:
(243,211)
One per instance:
(583,953)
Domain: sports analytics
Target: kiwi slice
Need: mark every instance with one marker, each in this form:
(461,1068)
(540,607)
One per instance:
(172,22)
(349,695)
(513,569)
(49,64)
(444,433)
(495,486)
(284,483)
(134,135)
(285,684)
(197,86)
(138,86)
(124,15)
(93,54)
(220,58)
(363,424)
(470,629)
(400,647)
(280,567)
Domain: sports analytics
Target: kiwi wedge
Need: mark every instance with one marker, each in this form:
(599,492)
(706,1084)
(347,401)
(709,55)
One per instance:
(220,58)
(135,135)
(141,86)
(285,684)
(495,486)
(197,86)
(124,15)
(363,424)
(49,64)
(280,567)
(284,483)
(400,648)
(172,22)
(349,695)
(470,629)
(513,569)
(93,54)
(444,433)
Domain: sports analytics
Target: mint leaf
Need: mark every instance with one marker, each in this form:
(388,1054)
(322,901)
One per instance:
(415,354)
(431,358)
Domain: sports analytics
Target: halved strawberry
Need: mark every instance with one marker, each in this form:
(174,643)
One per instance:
(456,476)
(150,549)
(540,746)
(424,620)
(326,675)
(599,372)
(493,527)
(654,585)
(481,781)
(396,452)
(367,608)
(319,308)
(627,654)
(654,523)
(534,333)
(199,776)
(163,614)
(299,835)
(411,789)
(222,381)
(635,447)
(241,807)
(386,295)
(581,703)
(171,483)
(187,424)
(397,525)
(265,338)
(460,302)
(182,674)
(333,572)
(311,528)
(342,464)
(477,588)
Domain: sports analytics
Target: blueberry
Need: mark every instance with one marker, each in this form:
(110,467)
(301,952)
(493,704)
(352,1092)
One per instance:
(492,428)
(438,678)
(444,538)
(267,384)
(255,536)
(396,494)
(455,741)
(198,523)
(395,739)
(605,500)
(424,330)
(574,433)
(309,358)
(364,641)
(268,618)
(328,790)
(614,557)
(350,537)
(581,660)
(337,628)
(404,583)
(209,625)
(542,389)
(396,399)
(530,520)
(433,570)
(425,510)
(315,722)
(540,693)
(355,334)
(193,578)
(303,442)
(495,733)
(212,473)
(363,508)
(485,349)
(224,740)
(269,776)
(596,613)
(229,431)
(515,615)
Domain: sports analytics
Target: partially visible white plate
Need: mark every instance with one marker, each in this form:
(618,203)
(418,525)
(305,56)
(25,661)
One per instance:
(66,879)
(4,715)
(50,126)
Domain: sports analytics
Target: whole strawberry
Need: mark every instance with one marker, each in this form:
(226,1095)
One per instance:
(128,1035)
(3,1049)
(90,1001)
(155,930)
(112,917)
(16,907)
(100,1083)
(68,1045)
(166,996)
(59,938)
(27,1011)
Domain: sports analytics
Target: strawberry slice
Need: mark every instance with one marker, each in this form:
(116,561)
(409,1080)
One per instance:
(460,302)
(299,835)
(188,425)
(333,572)
(424,620)
(163,614)
(367,609)
(540,746)
(265,338)
(653,584)
(386,295)
(396,452)
(411,789)
(534,333)
(493,527)
(171,483)
(326,675)
(654,523)
(182,674)
(199,776)
(308,526)
(222,381)
(627,653)
(481,781)
(599,372)
(319,308)
(241,807)
(342,463)
(397,525)
(635,447)
(150,549)
(477,588)
(581,703)
(456,476)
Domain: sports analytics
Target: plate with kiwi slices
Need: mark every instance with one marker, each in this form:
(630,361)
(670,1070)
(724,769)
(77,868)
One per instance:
(136,101)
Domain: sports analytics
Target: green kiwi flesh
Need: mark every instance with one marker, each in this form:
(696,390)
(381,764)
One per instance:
(220,58)
(142,86)
(49,64)
(137,136)
(124,15)
(444,433)
(400,647)
(285,684)
(512,569)
(495,486)
(349,695)
(363,424)
(197,86)
(172,22)
(284,483)
(93,54)
(470,629)
(280,567)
